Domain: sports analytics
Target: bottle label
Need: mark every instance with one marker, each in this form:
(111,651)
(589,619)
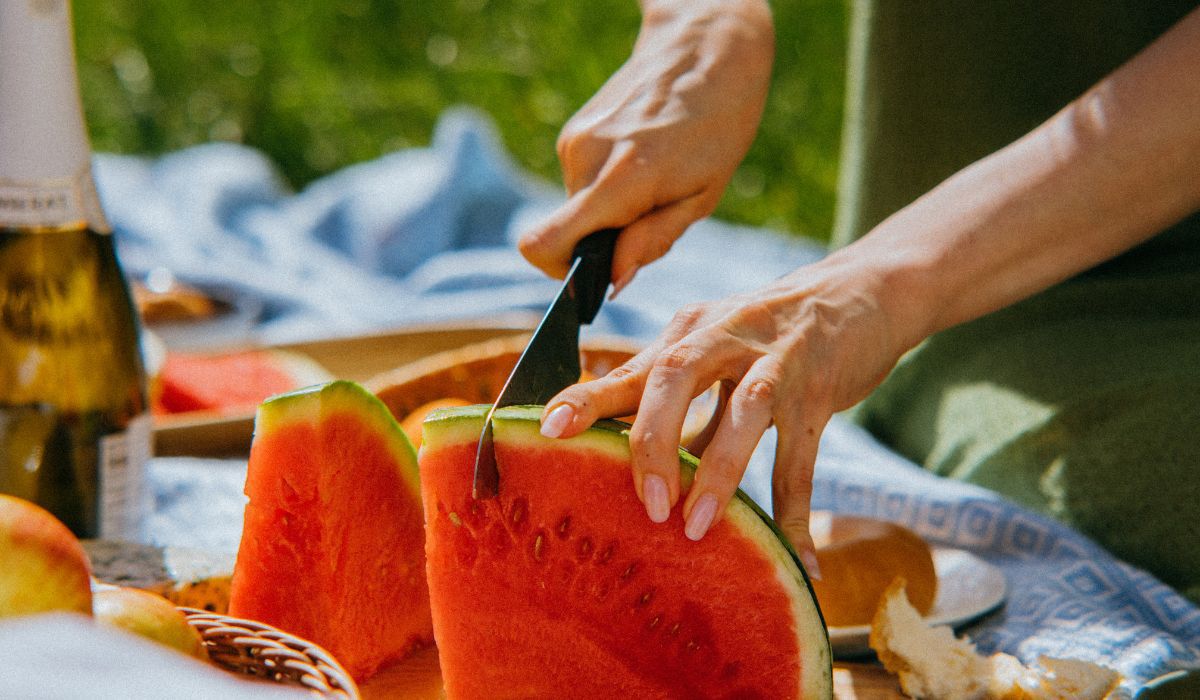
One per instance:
(52,203)
(122,495)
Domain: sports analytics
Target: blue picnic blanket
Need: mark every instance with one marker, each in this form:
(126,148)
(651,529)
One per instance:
(428,235)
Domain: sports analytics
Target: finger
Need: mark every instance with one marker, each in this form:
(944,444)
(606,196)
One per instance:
(651,237)
(581,153)
(617,393)
(799,434)
(707,407)
(746,418)
(618,196)
(681,372)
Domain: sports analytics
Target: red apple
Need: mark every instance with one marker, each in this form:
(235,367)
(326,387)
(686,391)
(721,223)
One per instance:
(149,615)
(42,565)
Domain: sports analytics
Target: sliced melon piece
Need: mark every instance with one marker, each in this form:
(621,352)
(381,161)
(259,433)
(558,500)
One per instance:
(333,544)
(562,587)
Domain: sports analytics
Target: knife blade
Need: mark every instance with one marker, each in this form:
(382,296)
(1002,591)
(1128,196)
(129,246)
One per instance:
(550,361)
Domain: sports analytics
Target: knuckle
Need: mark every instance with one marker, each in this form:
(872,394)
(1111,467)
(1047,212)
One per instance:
(677,358)
(792,486)
(723,471)
(689,316)
(624,375)
(658,246)
(646,443)
(571,139)
(761,390)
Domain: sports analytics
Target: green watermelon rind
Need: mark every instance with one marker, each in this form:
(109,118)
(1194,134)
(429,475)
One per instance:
(463,423)
(312,403)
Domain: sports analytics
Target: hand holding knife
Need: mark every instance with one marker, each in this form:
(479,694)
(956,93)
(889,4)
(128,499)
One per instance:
(550,362)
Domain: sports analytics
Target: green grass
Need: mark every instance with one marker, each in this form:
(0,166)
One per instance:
(318,85)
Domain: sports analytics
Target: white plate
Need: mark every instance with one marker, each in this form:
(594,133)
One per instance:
(968,587)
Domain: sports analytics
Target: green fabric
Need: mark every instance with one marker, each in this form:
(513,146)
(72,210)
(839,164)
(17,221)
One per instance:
(1082,402)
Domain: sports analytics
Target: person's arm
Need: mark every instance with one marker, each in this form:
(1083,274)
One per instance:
(1109,171)
(653,150)
(1106,173)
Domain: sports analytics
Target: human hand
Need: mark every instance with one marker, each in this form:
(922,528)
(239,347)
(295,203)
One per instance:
(653,150)
(795,352)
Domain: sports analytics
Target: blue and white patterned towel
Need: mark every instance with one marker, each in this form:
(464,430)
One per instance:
(427,234)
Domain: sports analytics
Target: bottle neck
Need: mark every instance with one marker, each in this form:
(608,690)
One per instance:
(45,158)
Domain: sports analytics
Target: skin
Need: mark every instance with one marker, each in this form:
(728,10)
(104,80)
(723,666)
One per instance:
(1111,169)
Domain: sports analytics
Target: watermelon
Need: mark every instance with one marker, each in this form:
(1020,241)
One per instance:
(230,381)
(562,587)
(333,545)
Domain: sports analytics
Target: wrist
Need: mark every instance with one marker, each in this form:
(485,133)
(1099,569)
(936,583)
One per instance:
(747,22)
(899,282)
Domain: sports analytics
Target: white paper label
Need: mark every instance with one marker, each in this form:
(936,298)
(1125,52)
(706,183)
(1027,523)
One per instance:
(52,203)
(122,471)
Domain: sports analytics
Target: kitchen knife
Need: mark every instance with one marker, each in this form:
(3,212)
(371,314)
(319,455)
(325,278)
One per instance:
(550,362)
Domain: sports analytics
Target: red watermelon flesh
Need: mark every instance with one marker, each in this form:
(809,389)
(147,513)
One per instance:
(332,548)
(231,380)
(562,587)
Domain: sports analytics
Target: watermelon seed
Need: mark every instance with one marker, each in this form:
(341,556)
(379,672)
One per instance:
(654,622)
(629,571)
(692,645)
(516,514)
(646,598)
(564,527)
(674,630)
(455,519)
(538,544)
(607,553)
(585,548)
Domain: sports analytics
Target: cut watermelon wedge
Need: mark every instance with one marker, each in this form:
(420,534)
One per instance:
(562,587)
(333,546)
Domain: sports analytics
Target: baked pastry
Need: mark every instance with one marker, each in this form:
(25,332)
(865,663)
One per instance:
(932,663)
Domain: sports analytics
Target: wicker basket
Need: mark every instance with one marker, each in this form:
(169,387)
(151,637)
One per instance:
(476,373)
(261,651)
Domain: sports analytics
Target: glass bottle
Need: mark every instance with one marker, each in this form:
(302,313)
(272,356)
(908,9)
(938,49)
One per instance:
(74,421)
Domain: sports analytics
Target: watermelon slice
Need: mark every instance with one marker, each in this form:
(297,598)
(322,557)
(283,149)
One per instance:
(562,587)
(231,381)
(333,546)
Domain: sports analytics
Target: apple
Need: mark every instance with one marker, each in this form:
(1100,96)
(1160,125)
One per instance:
(42,565)
(148,615)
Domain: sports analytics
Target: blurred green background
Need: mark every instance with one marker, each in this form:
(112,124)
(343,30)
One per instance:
(318,85)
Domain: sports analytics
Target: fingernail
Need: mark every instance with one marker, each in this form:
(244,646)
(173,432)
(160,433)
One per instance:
(702,517)
(656,497)
(622,283)
(809,559)
(558,421)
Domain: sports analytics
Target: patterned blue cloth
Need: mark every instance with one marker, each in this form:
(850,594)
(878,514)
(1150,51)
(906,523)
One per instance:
(428,234)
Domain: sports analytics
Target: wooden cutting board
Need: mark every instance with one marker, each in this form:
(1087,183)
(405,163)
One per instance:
(419,678)
(207,434)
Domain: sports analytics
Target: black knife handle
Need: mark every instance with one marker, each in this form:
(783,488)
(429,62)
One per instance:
(591,280)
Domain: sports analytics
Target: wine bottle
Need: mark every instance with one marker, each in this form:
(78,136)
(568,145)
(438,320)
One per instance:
(74,421)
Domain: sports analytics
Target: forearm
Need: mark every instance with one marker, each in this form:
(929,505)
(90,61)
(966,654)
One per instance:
(1109,171)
